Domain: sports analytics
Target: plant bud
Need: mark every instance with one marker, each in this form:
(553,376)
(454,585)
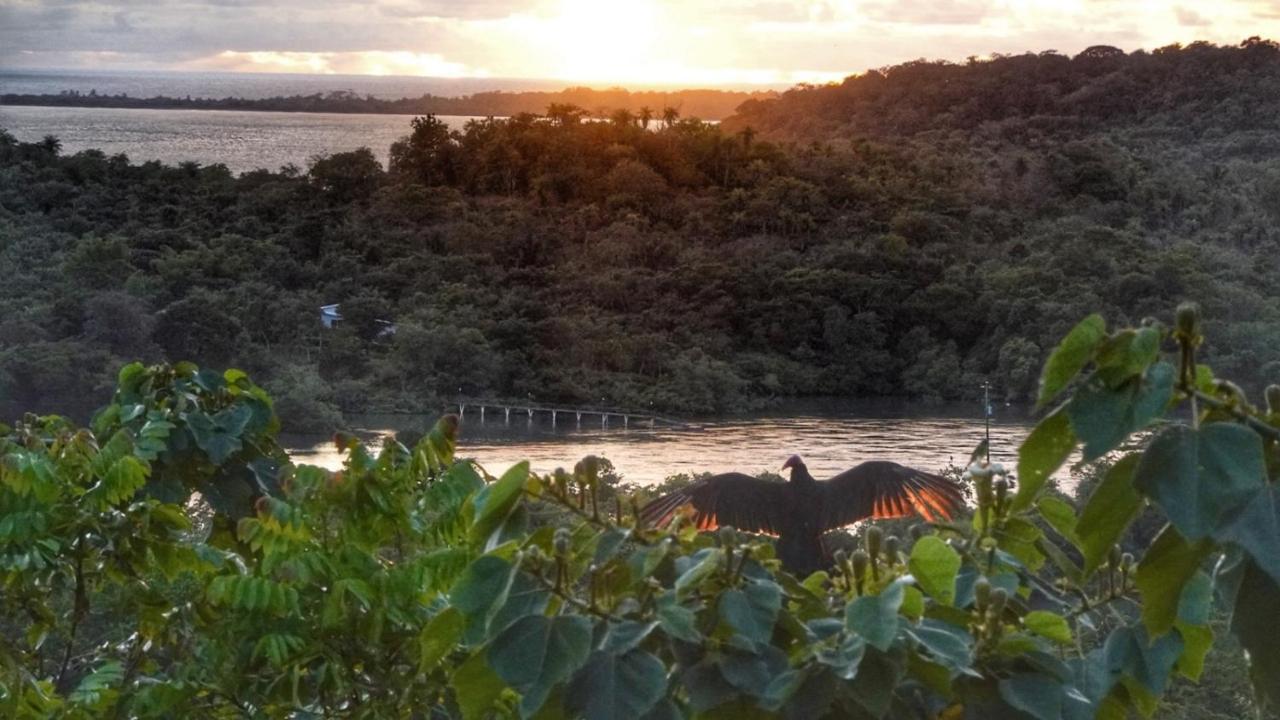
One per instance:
(727,535)
(1126,561)
(999,596)
(917,531)
(860,563)
(1273,399)
(874,537)
(1114,557)
(1002,489)
(981,593)
(840,557)
(561,541)
(1187,319)
(891,547)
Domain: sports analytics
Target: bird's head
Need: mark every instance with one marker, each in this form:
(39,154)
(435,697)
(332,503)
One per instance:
(793,463)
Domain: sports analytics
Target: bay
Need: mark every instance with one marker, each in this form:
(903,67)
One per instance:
(241,140)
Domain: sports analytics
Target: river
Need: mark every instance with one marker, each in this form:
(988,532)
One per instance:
(829,442)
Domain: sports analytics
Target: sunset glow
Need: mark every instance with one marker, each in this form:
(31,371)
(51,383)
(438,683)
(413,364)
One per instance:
(634,42)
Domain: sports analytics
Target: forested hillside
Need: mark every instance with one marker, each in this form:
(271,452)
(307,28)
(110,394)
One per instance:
(908,232)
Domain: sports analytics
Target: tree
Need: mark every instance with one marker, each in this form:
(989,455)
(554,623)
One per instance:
(427,154)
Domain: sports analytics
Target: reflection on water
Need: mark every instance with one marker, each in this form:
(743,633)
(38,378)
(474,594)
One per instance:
(241,140)
(648,455)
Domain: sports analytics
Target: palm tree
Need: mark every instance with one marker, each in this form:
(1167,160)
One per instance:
(51,144)
(669,116)
(622,117)
(646,116)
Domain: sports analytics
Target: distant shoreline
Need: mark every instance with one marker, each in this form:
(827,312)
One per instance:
(703,104)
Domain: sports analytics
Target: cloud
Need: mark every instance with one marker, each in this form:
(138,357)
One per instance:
(1189,17)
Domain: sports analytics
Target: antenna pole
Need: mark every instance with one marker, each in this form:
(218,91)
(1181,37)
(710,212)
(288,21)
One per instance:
(986,414)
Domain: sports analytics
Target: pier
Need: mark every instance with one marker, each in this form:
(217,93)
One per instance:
(558,413)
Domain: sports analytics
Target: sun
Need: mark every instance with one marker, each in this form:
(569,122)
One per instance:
(595,41)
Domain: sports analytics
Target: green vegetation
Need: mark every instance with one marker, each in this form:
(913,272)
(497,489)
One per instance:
(906,233)
(647,106)
(168,560)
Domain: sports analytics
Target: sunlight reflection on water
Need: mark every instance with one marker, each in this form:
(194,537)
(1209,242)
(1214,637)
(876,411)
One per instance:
(643,455)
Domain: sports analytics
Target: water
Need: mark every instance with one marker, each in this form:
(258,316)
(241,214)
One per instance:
(240,140)
(829,444)
(145,84)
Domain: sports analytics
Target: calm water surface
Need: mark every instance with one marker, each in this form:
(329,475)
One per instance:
(242,141)
(829,444)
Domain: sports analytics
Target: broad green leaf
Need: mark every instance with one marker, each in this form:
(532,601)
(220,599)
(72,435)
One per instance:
(615,685)
(481,592)
(219,435)
(1111,508)
(1198,476)
(1048,625)
(1102,416)
(1060,516)
(1131,651)
(1253,622)
(1036,694)
(947,644)
(875,617)
(1163,571)
(477,687)
(439,637)
(676,620)
(537,652)
(1041,454)
(934,565)
(1127,353)
(1069,358)
(752,610)
(1195,606)
(495,501)
(625,636)
(1255,527)
(700,570)
(1197,641)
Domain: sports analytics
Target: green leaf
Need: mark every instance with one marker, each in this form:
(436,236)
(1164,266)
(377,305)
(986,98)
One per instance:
(537,652)
(947,644)
(751,611)
(1253,622)
(1111,508)
(1197,641)
(700,570)
(624,636)
(477,687)
(1041,454)
(1103,416)
(219,435)
(1255,527)
(495,501)
(1048,625)
(1128,353)
(934,565)
(1071,355)
(1036,694)
(439,637)
(1198,476)
(1129,650)
(1168,564)
(481,592)
(676,620)
(875,617)
(617,686)
(1060,516)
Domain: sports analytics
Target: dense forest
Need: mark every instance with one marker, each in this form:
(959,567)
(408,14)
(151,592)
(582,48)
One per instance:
(910,232)
(646,105)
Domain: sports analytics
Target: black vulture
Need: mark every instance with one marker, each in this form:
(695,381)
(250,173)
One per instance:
(799,511)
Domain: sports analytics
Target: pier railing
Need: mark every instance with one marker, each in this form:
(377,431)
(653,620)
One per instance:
(530,410)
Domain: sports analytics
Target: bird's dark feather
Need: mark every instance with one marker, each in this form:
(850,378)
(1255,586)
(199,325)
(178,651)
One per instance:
(880,489)
(731,499)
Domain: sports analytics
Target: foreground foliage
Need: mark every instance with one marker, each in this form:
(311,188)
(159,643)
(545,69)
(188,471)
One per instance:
(166,561)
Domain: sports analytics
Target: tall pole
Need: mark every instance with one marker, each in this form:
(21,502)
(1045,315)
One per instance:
(986,415)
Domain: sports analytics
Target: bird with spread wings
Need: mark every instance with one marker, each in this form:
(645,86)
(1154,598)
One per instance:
(799,511)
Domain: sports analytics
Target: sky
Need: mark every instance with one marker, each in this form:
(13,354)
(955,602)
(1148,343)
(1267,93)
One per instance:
(633,42)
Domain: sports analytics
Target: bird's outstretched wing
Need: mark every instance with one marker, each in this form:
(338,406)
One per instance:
(731,499)
(881,489)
